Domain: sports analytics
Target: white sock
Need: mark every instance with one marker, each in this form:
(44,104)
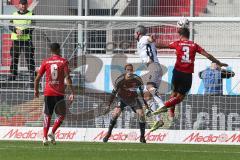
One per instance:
(156,97)
(158,117)
(158,100)
(154,107)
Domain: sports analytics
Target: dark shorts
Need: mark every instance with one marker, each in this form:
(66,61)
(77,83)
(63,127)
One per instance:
(56,103)
(181,82)
(135,104)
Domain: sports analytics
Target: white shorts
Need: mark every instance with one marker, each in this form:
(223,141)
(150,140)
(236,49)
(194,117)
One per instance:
(154,73)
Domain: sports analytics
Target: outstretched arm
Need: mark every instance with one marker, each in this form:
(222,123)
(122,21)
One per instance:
(212,58)
(161,45)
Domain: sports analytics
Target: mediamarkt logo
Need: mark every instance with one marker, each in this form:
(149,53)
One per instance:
(197,137)
(132,136)
(32,134)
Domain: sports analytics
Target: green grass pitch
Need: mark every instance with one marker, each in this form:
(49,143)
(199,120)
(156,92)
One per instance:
(24,150)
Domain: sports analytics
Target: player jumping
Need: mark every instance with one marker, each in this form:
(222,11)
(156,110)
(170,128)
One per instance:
(148,53)
(184,67)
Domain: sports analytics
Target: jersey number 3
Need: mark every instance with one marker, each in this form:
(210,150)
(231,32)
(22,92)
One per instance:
(185,57)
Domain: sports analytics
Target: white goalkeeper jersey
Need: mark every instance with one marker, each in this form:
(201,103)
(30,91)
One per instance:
(146,50)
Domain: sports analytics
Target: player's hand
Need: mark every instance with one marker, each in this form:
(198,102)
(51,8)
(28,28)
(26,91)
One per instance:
(36,93)
(71,98)
(148,112)
(223,65)
(19,32)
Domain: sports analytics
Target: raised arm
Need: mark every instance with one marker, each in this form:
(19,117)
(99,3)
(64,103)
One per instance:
(212,58)
(161,45)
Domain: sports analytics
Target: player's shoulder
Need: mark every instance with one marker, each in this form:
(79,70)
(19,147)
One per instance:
(45,60)
(174,42)
(120,78)
(64,60)
(138,78)
(144,38)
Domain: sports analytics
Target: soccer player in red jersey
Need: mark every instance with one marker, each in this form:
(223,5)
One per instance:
(56,69)
(184,67)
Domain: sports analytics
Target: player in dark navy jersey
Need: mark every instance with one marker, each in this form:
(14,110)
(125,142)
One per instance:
(125,93)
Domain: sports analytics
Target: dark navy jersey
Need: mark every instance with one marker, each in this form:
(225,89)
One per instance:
(128,88)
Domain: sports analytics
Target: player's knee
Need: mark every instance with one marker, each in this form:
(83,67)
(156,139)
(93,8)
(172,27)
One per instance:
(141,118)
(116,114)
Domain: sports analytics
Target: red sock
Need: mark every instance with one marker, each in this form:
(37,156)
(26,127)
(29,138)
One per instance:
(57,123)
(172,102)
(46,125)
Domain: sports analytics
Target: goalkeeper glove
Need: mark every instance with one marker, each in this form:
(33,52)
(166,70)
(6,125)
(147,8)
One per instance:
(148,112)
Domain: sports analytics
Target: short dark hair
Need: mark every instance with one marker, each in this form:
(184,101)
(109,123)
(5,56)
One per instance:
(129,64)
(184,32)
(55,48)
(23,2)
(152,84)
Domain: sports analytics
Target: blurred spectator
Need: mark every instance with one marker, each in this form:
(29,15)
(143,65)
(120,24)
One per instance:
(9,2)
(211,2)
(22,41)
(212,79)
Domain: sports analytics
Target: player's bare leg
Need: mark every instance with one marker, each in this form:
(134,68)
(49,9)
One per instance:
(116,113)
(142,124)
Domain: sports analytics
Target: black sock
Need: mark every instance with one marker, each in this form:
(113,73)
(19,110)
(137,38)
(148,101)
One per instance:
(111,125)
(142,128)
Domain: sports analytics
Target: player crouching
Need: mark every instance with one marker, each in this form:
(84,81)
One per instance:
(125,94)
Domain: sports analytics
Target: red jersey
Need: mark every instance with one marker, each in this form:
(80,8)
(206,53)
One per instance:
(55,68)
(186,51)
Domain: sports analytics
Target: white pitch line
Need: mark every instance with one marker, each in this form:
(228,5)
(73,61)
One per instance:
(117,149)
